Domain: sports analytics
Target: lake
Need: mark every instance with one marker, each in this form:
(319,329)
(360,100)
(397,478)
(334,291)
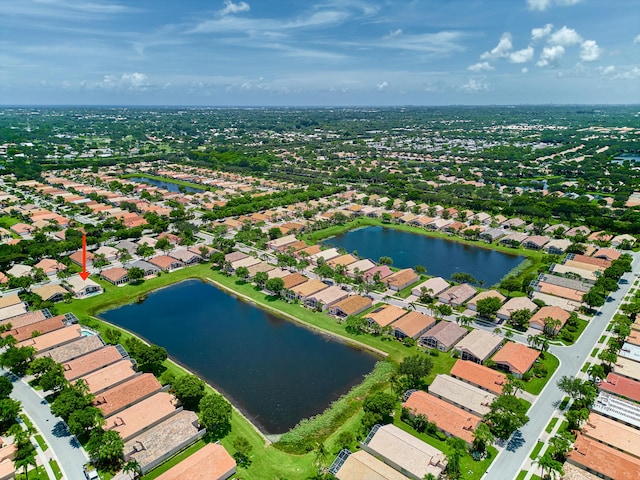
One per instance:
(441,257)
(275,371)
(168,185)
(621,158)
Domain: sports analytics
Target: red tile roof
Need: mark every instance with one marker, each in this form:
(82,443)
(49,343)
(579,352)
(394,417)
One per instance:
(479,375)
(518,357)
(621,386)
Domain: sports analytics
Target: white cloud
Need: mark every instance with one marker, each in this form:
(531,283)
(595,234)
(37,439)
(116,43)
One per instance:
(475,85)
(382,86)
(522,56)
(637,39)
(525,70)
(501,50)
(565,37)
(230,7)
(126,81)
(480,67)
(589,51)
(540,33)
(393,33)
(542,5)
(607,70)
(629,74)
(550,55)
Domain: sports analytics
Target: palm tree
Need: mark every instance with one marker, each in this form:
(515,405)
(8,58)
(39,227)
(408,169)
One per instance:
(132,467)
(320,456)
(25,462)
(553,467)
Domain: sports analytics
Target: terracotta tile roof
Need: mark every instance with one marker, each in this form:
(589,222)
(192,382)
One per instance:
(445,333)
(600,262)
(134,419)
(126,393)
(462,394)
(515,304)
(41,327)
(108,376)
(562,292)
(342,260)
(211,462)
(615,434)
(479,375)
(91,361)
(352,305)
(9,301)
(402,278)
(518,357)
(24,319)
(114,274)
(293,279)
(164,261)
(312,250)
(605,460)
(621,386)
(309,287)
(52,339)
(385,315)
(162,439)
(556,313)
(383,270)
(448,418)
(413,324)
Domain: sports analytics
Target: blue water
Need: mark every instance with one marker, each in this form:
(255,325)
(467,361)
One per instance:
(622,158)
(172,187)
(441,257)
(275,371)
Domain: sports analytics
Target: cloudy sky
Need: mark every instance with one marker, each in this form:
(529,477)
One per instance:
(331,52)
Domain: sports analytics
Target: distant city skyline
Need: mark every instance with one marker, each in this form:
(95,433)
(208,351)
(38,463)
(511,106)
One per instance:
(324,53)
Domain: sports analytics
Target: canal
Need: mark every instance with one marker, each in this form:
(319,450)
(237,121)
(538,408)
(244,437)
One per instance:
(440,256)
(274,370)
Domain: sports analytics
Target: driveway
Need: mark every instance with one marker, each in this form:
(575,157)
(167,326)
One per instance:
(68,451)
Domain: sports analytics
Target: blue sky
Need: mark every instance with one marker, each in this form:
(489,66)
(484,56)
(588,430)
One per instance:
(332,52)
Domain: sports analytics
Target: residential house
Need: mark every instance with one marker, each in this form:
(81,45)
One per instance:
(50,267)
(557,246)
(515,358)
(603,460)
(403,451)
(139,416)
(113,374)
(451,420)
(186,256)
(345,260)
(515,304)
(52,339)
(212,462)
(77,257)
(91,361)
(278,243)
(364,466)
(621,386)
(149,268)
(434,286)
(476,374)
(325,298)
(293,280)
(413,324)
(166,263)
(616,434)
(51,292)
(81,288)
(20,270)
(473,303)
(457,295)
(115,275)
(401,279)
(127,393)
(385,315)
(381,272)
(536,242)
(514,239)
(359,267)
(461,394)
(537,321)
(478,346)
(305,290)
(492,234)
(577,231)
(352,305)
(110,253)
(624,238)
(326,255)
(22,229)
(443,336)
(608,254)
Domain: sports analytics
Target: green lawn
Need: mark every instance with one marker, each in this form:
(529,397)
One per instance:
(535,385)
(536,450)
(585,367)
(563,404)
(594,352)
(35,474)
(56,469)
(41,442)
(602,339)
(8,221)
(582,324)
(522,474)
(552,424)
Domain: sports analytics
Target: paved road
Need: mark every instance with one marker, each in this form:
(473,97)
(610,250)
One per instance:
(70,455)
(509,460)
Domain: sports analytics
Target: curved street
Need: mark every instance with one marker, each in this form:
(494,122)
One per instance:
(67,450)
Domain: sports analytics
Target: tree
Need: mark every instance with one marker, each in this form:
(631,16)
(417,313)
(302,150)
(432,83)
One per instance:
(133,468)
(548,464)
(385,261)
(242,273)
(145,251)
(215,415)
(9,409)
(482,437)
(243,450)
(594,298)
(189,389)
(488,307)
(151,357)
(512,386)
(164,244)
(25,452)
(560,445)
(377,409)
(583,392)
(321,455)
(274,285)
(506,415)
(274,232)
(511,284)
(420,269)
(443,310)
(596,372)
(520,319)
(135,274)
(457,449)
(6,387)
(260,278)
(463,277)
(217,260)
(53,380)
(17,359)
(105,448)
(83,422)
(69,400)
(415,368)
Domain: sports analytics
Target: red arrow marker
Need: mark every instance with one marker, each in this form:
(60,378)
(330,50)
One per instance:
(84,274)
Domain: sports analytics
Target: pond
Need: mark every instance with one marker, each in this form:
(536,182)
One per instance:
(167,185)
(275,371)
(441,257)
(625,157)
